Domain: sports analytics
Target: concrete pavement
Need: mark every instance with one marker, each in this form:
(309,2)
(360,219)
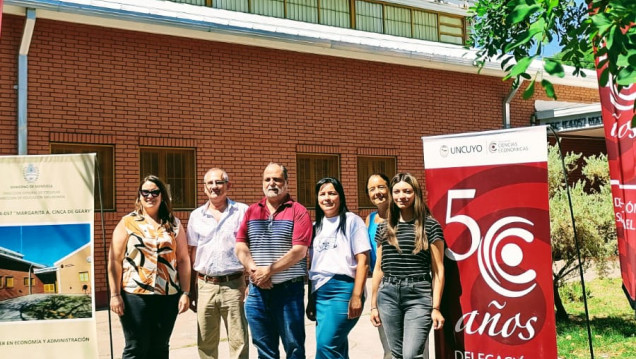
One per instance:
(364,341)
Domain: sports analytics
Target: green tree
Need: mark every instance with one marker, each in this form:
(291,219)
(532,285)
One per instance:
(587,61)
(593,212)
(515,32)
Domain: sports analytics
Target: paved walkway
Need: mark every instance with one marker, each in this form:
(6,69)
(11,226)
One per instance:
(363,339)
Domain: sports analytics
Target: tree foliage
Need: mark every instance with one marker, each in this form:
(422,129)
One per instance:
(516,32)
(593,212)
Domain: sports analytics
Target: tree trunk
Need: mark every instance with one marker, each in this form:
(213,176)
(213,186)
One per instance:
(561,313)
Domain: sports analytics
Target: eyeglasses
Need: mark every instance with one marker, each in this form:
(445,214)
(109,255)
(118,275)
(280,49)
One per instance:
(154,193)
(217,182)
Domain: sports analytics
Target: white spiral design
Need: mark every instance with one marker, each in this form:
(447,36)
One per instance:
(490,269)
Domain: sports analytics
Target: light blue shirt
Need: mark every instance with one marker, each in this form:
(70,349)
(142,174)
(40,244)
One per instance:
(215,241)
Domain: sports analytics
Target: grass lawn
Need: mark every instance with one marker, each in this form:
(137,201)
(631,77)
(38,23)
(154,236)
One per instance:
(611,319)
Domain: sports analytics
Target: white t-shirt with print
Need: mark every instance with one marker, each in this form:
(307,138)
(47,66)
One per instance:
(334,252)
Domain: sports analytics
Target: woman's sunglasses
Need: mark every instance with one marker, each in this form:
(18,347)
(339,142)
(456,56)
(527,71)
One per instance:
(154,192)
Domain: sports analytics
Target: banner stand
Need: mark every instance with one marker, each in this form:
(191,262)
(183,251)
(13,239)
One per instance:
(576,241)
(98,173)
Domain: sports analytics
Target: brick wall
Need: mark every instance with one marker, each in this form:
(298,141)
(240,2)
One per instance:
(19,288)
(239,106)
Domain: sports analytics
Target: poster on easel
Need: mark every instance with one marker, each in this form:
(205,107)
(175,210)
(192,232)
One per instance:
(47,305)
(489,191)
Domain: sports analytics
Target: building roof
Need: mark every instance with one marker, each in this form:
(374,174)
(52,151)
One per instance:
(59,261)
(198,22)
(571,118)
(7,254)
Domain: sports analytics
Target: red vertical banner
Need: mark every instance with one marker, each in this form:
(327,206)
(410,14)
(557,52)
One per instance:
(489,191)
(617,111)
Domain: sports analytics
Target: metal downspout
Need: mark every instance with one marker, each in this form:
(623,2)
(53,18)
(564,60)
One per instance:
(506,104)
(23,80)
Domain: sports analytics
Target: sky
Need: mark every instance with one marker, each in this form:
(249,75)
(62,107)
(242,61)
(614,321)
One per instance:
(553,47)
(45,244)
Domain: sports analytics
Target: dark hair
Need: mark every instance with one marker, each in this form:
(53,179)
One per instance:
(165,214)
(282,168)
(379,174)
(420,211)
(342,211)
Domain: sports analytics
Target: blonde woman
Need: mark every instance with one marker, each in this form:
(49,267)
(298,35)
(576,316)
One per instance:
(378,192)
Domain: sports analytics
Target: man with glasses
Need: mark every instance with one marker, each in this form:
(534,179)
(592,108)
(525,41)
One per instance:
(220,283)
(272,244)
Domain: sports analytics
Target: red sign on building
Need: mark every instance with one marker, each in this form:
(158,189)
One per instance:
(489,191)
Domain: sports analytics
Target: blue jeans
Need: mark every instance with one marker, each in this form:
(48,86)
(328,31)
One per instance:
(405,310)
(277,313)
(147,322)
(332,324)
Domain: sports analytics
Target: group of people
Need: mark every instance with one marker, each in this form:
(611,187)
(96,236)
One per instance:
(247,267)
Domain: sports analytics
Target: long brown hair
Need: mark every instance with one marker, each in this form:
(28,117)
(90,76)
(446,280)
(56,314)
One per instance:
(420,211)
(166,217)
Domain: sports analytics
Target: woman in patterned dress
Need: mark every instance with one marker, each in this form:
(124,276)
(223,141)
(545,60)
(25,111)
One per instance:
(149,272)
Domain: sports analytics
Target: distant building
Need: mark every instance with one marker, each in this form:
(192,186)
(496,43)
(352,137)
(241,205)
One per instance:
(69,275)
(341,88)
(17,276)
(74,272)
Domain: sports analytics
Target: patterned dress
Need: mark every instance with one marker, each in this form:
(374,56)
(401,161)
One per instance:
(150,263)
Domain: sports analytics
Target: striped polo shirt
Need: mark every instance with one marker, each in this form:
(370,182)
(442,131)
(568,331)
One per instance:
(407,264)
(271,236)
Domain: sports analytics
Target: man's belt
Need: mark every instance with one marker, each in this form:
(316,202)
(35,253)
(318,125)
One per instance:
(220,279)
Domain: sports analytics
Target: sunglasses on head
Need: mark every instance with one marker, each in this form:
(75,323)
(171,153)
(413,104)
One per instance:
(154,192)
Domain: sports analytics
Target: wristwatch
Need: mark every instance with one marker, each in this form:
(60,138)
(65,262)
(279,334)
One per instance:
(186,293)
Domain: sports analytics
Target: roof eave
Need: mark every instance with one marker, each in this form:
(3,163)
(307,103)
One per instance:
(175,19)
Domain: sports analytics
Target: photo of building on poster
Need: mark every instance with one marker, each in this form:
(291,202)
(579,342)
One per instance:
(45,272)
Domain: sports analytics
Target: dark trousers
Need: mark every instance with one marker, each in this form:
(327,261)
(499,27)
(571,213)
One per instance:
(147,322)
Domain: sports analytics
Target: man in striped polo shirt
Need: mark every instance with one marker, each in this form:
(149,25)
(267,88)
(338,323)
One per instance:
(272,244)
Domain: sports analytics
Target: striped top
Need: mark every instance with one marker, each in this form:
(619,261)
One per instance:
(271,236)
(407,264)
(150,262)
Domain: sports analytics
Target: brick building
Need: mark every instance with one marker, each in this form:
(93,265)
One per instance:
(18,277)
(173,89)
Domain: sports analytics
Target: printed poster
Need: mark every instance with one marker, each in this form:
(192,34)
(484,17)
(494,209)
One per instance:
(47,306)
(489,191)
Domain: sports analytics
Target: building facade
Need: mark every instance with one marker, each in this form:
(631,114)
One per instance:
(17,276)
(74,272)
(174,89)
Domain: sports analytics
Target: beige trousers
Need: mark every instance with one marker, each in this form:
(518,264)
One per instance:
(216,302)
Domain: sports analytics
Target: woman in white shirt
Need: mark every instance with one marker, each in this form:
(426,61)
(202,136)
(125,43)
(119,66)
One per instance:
(339,265)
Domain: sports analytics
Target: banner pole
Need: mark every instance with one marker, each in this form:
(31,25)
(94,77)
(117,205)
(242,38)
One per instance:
(101,215)
(576,242)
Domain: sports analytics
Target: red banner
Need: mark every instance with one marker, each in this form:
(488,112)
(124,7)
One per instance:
(617,111)
(489,191)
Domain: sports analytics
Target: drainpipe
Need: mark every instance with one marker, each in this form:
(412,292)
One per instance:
(506,104)
(23,80)
(30,289)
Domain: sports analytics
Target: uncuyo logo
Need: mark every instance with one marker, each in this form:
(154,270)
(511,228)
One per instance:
(443,150)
